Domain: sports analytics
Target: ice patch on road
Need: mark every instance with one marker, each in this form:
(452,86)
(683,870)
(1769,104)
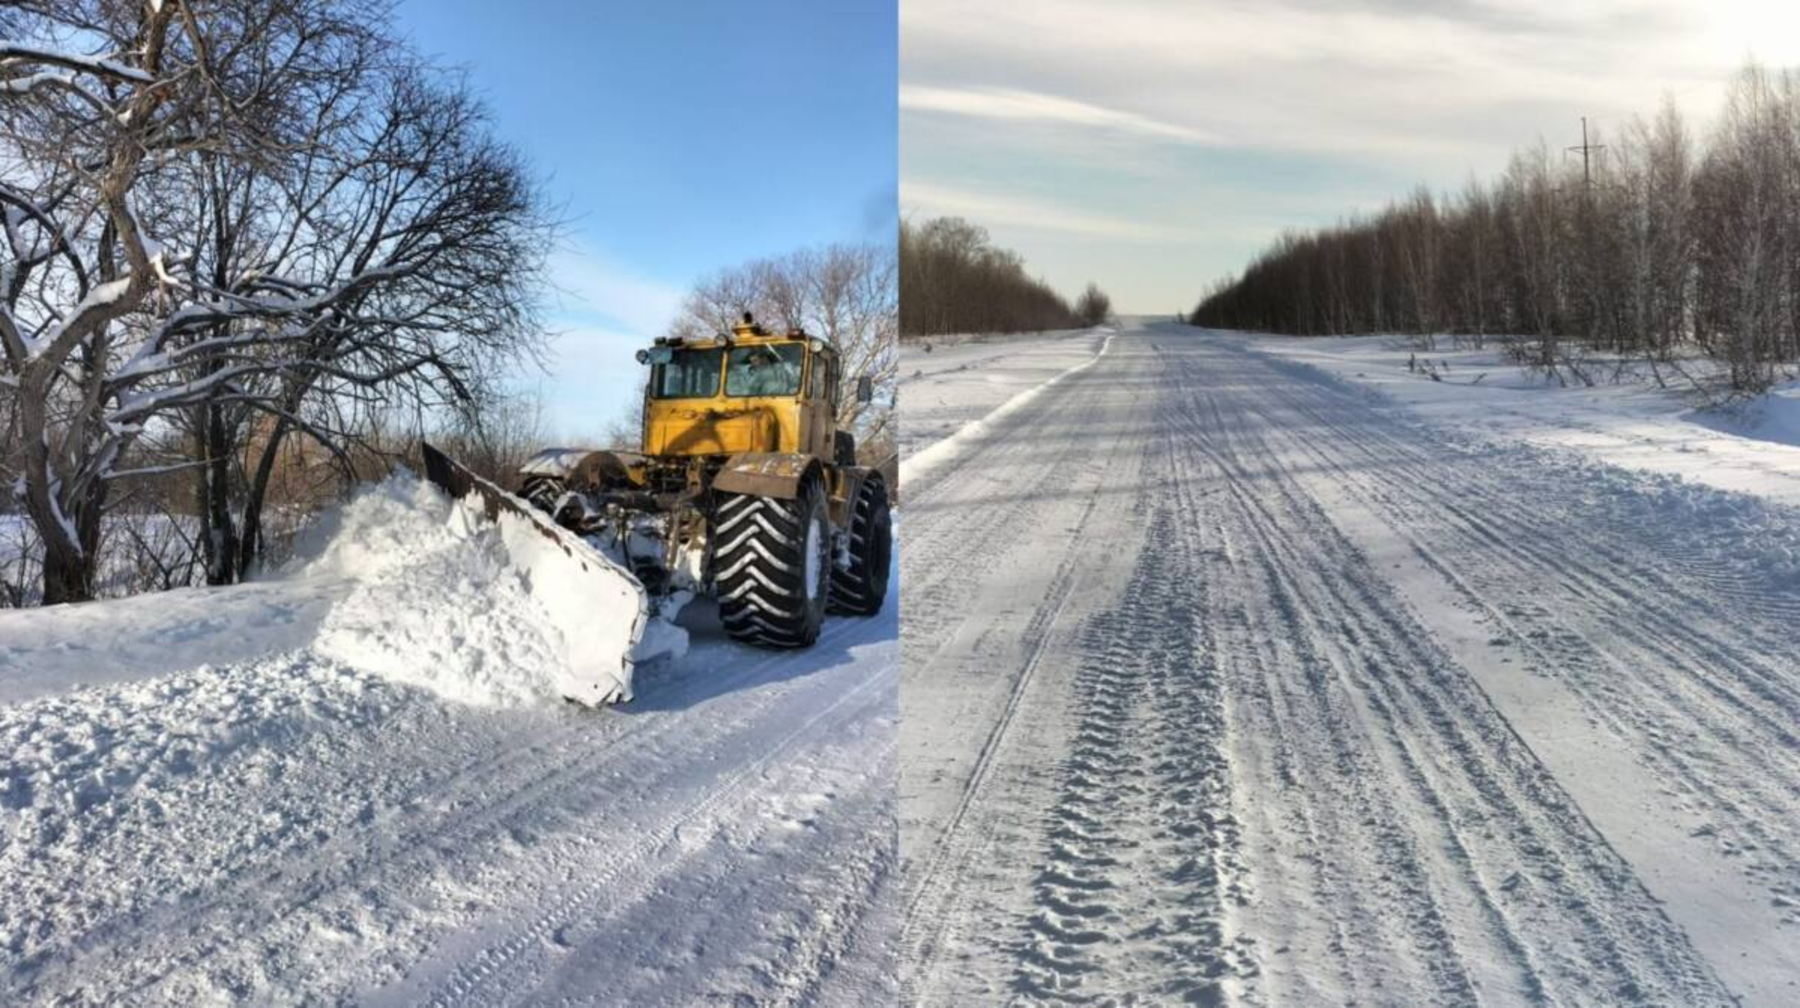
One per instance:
(438,601)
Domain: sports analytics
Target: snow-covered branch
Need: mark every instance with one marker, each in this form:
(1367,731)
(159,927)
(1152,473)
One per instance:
(13,54)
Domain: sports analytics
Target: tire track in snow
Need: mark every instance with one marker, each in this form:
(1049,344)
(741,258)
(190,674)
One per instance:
(1712,716)
(935,880)
(1335,769)
(1355,820)
(1491,777)
(547,770)
(500,969)
(1148,747)
(942,603)
(950,521)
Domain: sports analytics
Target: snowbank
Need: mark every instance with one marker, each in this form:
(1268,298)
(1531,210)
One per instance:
(399,581)
(439,600)
(1751,448)
(953,384)
(944,430)
(1773,416)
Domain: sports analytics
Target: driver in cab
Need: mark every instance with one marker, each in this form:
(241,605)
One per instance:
(765,374)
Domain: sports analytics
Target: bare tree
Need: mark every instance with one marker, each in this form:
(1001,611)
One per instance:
(1093,306)
(1656,252)
(247,208)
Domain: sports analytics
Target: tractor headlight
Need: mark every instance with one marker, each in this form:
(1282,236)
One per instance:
(643,356)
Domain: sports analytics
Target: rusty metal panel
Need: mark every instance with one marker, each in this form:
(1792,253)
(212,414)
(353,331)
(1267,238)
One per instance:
(607,470)
(843,493)
(765,474)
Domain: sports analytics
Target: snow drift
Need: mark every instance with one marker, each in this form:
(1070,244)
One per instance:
(444,599)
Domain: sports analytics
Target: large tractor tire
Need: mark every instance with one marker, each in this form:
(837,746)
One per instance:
(773,564)
(861,588)
(542,491)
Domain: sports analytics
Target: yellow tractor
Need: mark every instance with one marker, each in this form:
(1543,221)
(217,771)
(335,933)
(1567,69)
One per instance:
(744,487)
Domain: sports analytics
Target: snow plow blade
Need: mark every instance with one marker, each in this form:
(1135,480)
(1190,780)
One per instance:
(601,608)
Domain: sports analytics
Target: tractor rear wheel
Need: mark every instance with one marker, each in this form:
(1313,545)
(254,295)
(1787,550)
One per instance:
(773,560)
(861,588)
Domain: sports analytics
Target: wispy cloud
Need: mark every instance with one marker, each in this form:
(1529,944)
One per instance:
(590,285)
(591,381)
(602,311)
(1032,106)
(989,208)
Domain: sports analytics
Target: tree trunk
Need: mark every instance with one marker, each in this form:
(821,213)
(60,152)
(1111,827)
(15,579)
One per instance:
(252,544)
(68,577)
(221,543)
(70,568)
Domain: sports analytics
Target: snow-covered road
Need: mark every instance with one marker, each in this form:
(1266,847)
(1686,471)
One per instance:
(1222,680)
(285,825)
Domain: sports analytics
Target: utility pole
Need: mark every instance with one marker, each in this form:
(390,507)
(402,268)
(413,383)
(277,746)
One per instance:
(1587,175)
(1586,305)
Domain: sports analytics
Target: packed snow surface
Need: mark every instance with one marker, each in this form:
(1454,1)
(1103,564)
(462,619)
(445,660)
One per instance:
(355,782)
(1226,679)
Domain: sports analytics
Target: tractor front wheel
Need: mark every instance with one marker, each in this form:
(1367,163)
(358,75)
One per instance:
(772,562)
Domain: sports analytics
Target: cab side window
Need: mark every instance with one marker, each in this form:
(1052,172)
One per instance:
(820,386)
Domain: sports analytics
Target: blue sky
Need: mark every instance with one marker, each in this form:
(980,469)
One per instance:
(679,139)
(1153,146)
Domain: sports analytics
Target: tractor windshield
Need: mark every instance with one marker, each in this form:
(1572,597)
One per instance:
(687,374)
(765,369)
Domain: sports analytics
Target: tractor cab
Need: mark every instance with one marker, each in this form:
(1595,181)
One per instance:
(750,391)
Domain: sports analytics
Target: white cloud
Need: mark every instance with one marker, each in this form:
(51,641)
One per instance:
(933,200)
(1031,106)
(592,379)
(602,312)
(589,283)
(1382,78)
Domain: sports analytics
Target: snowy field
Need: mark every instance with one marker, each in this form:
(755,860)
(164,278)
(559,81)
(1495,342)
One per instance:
(1224,677)
(1752,446)
(355,781)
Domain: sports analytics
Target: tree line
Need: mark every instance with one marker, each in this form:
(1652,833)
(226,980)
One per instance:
(1663,248)
(953,279)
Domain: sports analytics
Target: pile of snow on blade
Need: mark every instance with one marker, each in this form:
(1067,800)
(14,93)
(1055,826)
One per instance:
(438,601)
